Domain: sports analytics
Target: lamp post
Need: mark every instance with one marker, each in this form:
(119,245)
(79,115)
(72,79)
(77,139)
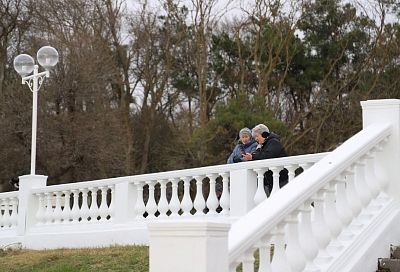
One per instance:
(24,64)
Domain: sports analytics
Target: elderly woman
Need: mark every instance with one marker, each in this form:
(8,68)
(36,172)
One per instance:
(269,145)
(246,145)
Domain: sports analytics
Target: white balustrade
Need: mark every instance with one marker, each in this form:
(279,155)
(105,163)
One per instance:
(66,212)
(295,255)
(75,207)
(212,200)
(279,260)
(174,204)
(338,190)
(8,212)
(225,196)
(199,202)
(80,205)
(163,202)
(186,204)
(260,195)
(264,249)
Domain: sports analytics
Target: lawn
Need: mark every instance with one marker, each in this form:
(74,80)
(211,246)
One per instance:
(129,258)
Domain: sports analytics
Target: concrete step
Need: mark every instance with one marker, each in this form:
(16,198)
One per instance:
(388,265)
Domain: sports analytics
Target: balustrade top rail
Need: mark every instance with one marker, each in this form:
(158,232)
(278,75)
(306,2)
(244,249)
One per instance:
(9,195)
(252,227)
(200,171)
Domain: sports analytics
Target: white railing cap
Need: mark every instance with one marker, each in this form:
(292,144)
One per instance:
(200,171)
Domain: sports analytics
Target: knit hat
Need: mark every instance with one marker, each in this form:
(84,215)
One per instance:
(245,131)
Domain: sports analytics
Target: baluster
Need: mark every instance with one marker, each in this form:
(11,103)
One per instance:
(151,207)
(275,175)
(307,239)
(233,266)
(331,215)
(212,200)
(103,209)
(321,229)
(111,209)
(186,204)
(163,202)
(291,171)
(332,218)
(40,210)
(75,207)
(248,261)
(49,209)
(174,205)
(225,197)
(84,208)
(381,175)
(370,176)
(57,210)
(199,202)
(264,248)
(294,254)
(342,208)
(6,215)
(66,213)
(94,208)
(360,184)
(14,215)
(352,195)
(279,260)
(260,195)
(1,212)
(140,207)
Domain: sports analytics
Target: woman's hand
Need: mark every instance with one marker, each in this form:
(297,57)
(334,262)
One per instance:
(248,157)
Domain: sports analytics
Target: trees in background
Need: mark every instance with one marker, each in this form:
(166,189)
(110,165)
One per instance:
(148,89)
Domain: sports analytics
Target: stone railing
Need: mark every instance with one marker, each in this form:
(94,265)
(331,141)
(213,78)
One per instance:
(222,191)
(342,190)
(339,215)
(8,210)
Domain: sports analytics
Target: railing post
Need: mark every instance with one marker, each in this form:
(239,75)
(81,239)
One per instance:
(243,187)
(387,111)
(27,206)
(124,201)
(181,246)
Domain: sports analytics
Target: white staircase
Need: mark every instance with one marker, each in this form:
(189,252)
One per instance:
(340,214)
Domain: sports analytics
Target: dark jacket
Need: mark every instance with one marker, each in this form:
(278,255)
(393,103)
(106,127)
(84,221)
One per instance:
(241,148)
(271,148)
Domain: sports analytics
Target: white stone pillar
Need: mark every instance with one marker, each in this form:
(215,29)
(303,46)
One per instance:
(27,206)
(387,111)
(188,245)
(243,187)
(124,202)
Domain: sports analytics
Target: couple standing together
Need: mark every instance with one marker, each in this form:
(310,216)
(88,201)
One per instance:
(259,144)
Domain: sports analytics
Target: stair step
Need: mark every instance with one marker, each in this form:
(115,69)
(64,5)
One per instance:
(387,264)
(394,252)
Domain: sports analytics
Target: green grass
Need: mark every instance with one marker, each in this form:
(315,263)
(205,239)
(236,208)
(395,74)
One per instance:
(129,258)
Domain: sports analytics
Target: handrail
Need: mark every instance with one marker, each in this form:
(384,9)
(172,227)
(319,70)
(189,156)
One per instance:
(9,194)
(308,158)
(249,229)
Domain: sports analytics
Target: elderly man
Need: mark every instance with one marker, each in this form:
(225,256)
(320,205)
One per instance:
(269,147)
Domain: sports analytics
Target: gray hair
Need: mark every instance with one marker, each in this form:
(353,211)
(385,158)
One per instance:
(245,131)
(260,128)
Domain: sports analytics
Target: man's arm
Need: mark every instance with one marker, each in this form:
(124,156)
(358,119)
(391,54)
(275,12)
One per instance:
(272,150)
